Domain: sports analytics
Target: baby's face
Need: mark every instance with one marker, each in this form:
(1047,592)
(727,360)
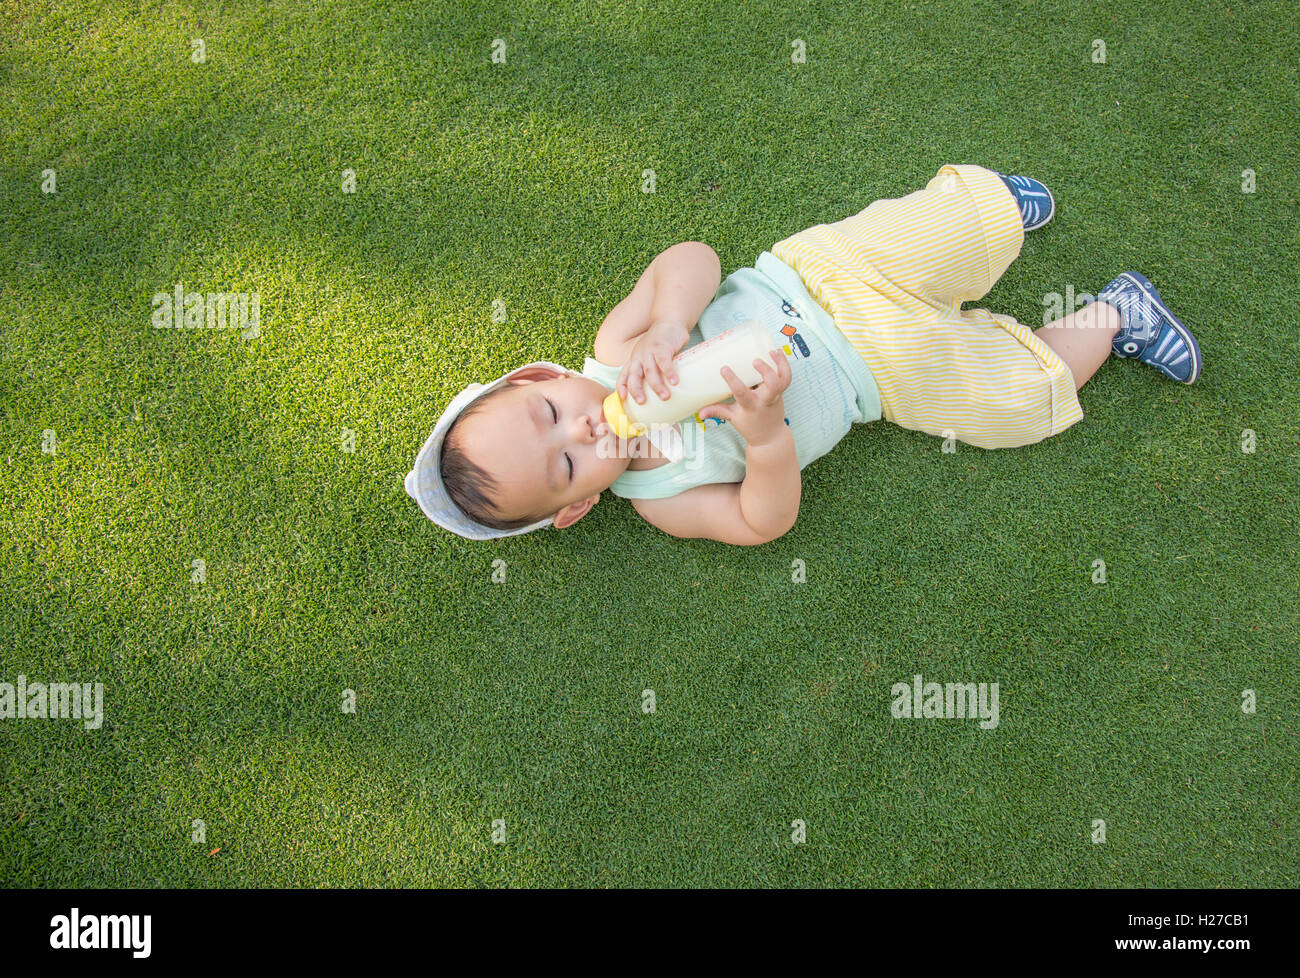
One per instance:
(547,444)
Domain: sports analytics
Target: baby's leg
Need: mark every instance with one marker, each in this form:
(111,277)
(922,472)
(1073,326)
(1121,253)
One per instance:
(943,245)
(1082,339)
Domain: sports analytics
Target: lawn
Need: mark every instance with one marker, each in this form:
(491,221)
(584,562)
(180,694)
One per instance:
(213,525)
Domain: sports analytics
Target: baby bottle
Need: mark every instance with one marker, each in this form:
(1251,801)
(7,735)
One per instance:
(699,381)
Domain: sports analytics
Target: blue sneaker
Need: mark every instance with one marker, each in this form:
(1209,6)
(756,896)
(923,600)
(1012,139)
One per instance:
(1034,200)
(1149,331)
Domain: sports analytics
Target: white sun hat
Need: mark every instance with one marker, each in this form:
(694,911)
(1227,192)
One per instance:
(424,481)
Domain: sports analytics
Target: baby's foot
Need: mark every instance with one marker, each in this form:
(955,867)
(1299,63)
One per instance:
(1034,200)
(1149,331)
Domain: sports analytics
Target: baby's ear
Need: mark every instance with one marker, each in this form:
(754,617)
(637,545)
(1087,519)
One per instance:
(575,511)
(532,375)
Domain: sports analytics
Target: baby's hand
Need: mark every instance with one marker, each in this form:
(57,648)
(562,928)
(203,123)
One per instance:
(651,361)
(758,414)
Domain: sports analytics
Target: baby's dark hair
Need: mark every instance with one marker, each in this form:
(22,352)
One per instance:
(470,486)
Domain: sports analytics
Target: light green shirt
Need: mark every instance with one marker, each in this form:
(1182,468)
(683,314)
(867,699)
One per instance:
(830,389)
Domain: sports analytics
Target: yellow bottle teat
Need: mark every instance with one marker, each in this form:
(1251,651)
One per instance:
(617,417)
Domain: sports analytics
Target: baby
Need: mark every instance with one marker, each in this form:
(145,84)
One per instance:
(866,321)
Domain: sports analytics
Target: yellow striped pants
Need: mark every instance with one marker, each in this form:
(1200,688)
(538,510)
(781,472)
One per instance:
(894,278)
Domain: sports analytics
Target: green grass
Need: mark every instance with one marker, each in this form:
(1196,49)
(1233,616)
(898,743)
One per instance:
(521,701)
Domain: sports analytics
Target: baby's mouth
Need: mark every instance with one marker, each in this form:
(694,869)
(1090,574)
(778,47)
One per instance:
(608,443)
(603,427)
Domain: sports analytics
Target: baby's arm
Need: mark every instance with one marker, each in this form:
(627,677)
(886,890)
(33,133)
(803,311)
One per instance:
(766,504)
(755,511)
(674,289)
